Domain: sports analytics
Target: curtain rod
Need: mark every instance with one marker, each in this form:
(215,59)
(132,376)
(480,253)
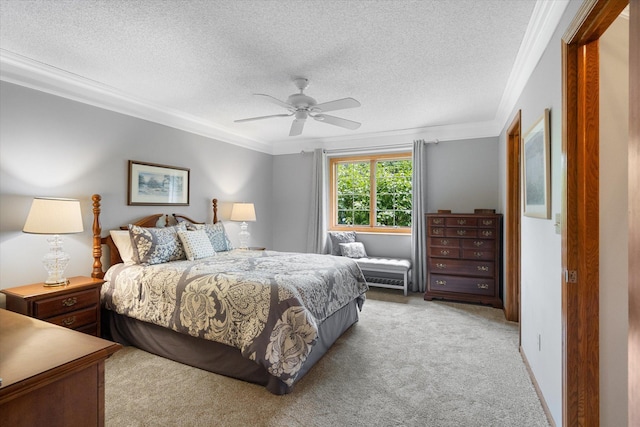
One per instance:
(375,148)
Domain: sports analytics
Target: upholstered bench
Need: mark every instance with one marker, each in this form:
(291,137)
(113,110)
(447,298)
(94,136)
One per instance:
(386,265)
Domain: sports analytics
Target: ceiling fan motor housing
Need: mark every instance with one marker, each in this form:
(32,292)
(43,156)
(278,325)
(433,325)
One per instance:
(301,101)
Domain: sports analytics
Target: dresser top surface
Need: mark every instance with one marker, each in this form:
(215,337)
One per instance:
(30,347)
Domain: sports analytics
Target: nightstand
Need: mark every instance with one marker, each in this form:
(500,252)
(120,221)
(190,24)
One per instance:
(74,306)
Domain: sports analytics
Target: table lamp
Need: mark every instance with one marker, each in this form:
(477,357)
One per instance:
(54,216)
(243,212)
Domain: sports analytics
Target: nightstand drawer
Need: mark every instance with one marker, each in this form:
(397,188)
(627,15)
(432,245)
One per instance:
(65,303)
(76,319)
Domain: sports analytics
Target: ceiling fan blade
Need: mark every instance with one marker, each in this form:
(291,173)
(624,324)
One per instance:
(338,104)
(274,100)
(337,121)
(296,127)
(262,117)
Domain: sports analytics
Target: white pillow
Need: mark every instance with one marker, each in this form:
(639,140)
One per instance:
(196,244)
(353,250)
(122,240)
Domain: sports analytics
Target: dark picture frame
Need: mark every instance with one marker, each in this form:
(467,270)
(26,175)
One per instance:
(536,163)
(151,184)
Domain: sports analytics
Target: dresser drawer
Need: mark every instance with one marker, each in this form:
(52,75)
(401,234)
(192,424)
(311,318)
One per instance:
(65,303)
(478,254)
(487,222)
(436,231)
(467,285)
(462,267)
(446,242)
(444,252)
(436,221)
(76,319)
(461,222)
(460,232)
(487,233)
(483,244)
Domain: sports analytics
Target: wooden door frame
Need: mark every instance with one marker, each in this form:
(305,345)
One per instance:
(514,211)
(580,211)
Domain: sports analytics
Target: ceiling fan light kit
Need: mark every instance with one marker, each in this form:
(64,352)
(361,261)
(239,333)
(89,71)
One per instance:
(303,106)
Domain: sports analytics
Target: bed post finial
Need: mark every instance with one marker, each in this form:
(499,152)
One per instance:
(215,210)
(97,272)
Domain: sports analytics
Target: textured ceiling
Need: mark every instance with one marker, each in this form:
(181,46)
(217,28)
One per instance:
(411,64)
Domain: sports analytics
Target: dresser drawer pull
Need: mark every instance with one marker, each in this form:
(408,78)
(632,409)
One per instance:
(441,282)
(487,222)
(437,221)
(444,242)
(487,233)
(69,321)
(69,302)
(444,252)
(483,286)
(437,231)
(441,265)
(478,243)
(462,221)
(483,268)
(461,232)
(478,254)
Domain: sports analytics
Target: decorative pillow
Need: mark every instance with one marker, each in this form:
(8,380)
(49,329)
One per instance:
(122,240)
(196,244)
(338,237)
(217,235)
(353,250)
(156,245)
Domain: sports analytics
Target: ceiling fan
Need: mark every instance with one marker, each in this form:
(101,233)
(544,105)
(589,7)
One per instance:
(302,106)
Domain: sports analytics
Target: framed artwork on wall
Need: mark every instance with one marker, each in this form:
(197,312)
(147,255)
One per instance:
(536,163)
(151,184)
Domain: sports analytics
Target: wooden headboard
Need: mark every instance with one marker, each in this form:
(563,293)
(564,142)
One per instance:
(114,255)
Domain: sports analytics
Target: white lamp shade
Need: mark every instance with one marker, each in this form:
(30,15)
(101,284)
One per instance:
(243,212)
(54,216)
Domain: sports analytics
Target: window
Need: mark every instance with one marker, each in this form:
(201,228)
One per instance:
(371,193)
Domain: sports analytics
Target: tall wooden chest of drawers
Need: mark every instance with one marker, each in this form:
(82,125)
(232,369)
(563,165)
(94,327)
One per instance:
(464,257)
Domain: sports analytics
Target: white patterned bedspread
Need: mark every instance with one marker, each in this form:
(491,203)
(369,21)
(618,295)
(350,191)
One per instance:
(267,304)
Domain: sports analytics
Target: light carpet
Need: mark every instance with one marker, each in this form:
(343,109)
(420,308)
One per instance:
(407,362)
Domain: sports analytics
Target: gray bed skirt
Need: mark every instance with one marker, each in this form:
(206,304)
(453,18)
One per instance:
(216,357)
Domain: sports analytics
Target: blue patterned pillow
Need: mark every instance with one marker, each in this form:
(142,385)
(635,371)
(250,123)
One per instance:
(196,244)
(156,245)
(217,235)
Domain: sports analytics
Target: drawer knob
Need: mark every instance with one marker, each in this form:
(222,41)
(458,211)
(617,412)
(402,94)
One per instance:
(483,286)
(487,222)
(478,254)
(441,282)
(462,221)
(70,301)
(437,231)
(437,220)
(483,268)
(461,232)
(444,252)
(69,321)
(487,233)
(478,243)
(441,265)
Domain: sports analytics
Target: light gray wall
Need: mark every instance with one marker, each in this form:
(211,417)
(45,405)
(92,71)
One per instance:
(462,176)
(51,146)
(614,238)
(541,269)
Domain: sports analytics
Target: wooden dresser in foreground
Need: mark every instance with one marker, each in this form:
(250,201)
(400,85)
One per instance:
(51,376)
(75,306)
(464,257)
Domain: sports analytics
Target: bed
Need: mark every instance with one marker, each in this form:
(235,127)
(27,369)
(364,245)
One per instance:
(264,317)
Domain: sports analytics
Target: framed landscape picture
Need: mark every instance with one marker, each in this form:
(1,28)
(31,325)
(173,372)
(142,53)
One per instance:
(536,162)
(157,185)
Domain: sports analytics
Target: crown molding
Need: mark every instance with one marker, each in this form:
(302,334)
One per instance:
(26,72)
(543,23)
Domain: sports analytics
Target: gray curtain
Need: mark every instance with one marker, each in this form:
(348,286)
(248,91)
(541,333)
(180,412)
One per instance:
(317,234)
(418,222)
